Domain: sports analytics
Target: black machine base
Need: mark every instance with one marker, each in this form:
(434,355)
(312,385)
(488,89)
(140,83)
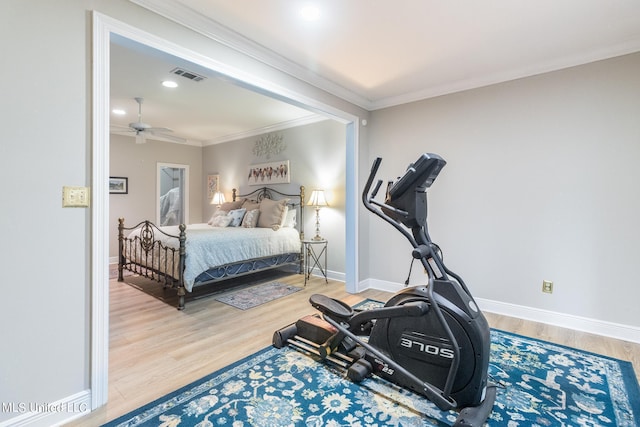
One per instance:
(314,335)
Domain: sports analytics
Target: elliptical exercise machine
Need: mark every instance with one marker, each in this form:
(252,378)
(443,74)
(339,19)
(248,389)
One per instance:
(430,339)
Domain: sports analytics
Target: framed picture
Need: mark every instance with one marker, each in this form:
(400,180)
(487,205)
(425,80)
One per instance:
(118,185)
(269,173)
(213,185)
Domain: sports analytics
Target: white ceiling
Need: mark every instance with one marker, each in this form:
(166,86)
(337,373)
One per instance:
(202,112)
(378,53)
(389,51)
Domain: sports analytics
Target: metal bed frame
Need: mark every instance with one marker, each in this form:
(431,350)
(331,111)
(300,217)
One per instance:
(159,260)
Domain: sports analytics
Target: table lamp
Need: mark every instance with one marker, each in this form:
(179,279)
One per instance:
(317,200)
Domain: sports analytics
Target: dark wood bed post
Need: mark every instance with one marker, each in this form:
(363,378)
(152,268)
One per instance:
(121,260)
(181,288)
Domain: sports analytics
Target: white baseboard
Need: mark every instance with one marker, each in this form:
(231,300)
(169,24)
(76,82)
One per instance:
(39,414)
(380,285)
(578,323)
(331,275)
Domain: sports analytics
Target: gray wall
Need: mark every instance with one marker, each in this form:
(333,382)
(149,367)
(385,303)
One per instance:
(138,162)
(45,145)
(317,159)
(541,183)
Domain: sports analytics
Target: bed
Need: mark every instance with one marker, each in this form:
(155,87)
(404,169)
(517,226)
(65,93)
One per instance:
(254,232)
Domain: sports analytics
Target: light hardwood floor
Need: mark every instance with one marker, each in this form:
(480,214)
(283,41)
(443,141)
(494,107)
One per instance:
(155,349)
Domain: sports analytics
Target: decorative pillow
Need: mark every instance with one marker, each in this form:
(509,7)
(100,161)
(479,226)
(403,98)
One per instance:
(221,221)
(250,219)
(290,219)
(284,216)
(236,216)
(272,213)
(229,206)
(250,205)
(217,213)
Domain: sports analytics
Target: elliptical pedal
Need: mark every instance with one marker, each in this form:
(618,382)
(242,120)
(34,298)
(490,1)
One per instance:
(337,358)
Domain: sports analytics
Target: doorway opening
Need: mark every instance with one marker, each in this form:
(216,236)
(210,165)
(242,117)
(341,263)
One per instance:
(103,29)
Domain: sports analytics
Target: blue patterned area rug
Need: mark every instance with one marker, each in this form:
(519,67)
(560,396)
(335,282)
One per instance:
(543,384)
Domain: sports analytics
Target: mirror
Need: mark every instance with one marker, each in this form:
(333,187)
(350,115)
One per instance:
(173,194)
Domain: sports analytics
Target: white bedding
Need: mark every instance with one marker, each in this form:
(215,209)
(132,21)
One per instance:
(208,247)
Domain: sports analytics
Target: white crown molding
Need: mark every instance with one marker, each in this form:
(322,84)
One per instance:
(631,46)
(188,18)
(151,138)
(266,129)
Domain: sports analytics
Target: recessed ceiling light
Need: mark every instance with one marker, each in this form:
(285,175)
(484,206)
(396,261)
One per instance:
(118,112)
(169,83)
(310,12)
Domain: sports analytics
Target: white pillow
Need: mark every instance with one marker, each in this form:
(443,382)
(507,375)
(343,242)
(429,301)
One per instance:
(217,213)
(236,216)
(221,221)
(290,219)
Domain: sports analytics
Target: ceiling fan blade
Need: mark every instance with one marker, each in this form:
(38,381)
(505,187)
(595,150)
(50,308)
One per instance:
(120,128)
(168,137)
(158,130)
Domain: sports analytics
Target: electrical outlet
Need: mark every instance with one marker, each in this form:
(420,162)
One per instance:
(547,286)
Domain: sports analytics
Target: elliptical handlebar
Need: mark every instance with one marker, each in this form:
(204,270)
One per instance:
(370,203)
(372,175)
(405,208)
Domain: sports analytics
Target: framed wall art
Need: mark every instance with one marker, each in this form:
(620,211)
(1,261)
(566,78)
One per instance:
(269,173)
(213,185)
(118,185)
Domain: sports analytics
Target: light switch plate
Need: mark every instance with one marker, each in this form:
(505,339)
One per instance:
(75,197)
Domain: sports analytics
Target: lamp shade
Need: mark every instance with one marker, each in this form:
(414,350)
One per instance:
(218,198)
(317,199)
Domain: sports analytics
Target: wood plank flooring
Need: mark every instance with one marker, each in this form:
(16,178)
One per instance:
(155,349)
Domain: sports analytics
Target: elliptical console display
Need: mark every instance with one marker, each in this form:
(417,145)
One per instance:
(431,339)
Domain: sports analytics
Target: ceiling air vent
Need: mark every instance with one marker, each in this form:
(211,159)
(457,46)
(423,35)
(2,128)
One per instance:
(188,74)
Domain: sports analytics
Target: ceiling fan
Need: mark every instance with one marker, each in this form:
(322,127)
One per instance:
(142,130)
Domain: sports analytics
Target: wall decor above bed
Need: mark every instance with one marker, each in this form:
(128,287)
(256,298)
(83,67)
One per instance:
(256,231)
(269,145)
(213,185)
(269,173)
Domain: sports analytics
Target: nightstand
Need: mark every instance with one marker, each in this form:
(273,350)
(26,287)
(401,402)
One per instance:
(315,255)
